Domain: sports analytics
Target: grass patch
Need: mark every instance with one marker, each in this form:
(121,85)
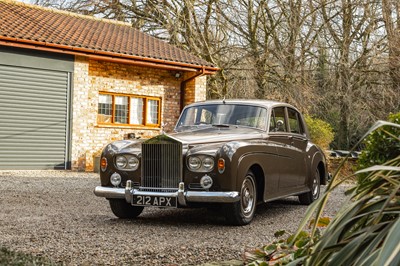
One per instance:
(13,258)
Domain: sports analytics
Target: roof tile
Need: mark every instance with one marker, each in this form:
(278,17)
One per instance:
(33,23)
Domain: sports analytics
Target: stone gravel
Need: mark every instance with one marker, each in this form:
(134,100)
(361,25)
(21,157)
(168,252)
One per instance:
(55,214)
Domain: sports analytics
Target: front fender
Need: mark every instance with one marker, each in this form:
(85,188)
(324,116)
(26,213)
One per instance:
(245,155)
(244,165)
(109,151)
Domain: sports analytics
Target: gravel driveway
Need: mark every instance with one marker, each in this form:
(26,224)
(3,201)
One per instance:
(55,214)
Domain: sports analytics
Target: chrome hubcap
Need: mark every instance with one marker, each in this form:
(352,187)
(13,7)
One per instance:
(248,197)
(315,186)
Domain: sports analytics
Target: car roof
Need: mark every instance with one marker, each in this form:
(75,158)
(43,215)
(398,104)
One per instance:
(264,103)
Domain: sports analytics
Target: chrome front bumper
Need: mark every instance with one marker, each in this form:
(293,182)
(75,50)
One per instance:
(182,196)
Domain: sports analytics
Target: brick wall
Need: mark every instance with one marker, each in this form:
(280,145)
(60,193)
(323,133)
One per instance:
(195,90)
(91,76)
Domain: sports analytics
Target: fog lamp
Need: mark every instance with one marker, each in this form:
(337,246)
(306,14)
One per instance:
(206,182)
(115,179)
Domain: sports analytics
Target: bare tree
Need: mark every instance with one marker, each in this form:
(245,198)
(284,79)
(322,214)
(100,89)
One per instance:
(335,59)
(391,18)
(348,23)
(275,38)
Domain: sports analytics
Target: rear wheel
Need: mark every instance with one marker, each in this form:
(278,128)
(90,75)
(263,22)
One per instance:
(124,210)
(242,212)
(313,194)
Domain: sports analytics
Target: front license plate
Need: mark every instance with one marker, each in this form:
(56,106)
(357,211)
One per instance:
(158,201)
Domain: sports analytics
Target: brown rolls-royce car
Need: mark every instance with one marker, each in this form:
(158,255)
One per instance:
(229,153)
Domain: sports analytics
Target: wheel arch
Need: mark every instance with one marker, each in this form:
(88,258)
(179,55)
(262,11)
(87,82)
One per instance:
(258,172)
(251,162)
(322,173)
(319,162)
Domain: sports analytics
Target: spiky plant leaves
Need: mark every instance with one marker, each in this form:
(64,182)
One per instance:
(390,251)
(361,229)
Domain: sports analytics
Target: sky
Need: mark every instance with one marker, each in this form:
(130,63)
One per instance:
(25,1)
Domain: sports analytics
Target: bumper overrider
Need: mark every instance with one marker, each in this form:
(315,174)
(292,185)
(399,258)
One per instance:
(182,196)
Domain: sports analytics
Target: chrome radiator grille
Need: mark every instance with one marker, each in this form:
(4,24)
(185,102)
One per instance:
(161,166)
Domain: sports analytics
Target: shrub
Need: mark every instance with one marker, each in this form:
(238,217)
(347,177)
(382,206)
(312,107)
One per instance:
(381,145)
(321,132)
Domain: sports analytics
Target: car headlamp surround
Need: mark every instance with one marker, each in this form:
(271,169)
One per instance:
(127,162)
(200,163)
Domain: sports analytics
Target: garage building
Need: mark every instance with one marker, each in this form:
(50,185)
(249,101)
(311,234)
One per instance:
(70,84)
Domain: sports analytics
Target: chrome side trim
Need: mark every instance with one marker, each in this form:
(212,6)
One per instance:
(214,196)
(110,192)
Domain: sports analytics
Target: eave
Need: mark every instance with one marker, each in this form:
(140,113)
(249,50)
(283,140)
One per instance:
(107,56)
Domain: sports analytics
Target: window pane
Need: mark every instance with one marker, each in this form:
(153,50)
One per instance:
(104,114)
(152,112)
(294,122)
(121,110)
(206,117)
(136,111)
(280,119)
(226,114)
(272,122)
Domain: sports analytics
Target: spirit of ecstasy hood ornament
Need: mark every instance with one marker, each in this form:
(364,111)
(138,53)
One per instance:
(163,125)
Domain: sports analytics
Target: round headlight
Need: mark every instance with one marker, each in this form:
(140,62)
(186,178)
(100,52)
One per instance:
(115,179)
(121,161)
(194,163)
(208,163)
(133,163)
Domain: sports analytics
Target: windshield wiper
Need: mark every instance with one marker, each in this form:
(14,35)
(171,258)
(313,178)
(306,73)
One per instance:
(220,125)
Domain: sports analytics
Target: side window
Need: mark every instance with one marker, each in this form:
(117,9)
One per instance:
(272,122)
(295,122)
(278,123)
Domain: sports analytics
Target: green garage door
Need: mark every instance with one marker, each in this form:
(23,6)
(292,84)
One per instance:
(33,118)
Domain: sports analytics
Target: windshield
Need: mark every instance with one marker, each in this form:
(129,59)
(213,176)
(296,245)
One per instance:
(222,115)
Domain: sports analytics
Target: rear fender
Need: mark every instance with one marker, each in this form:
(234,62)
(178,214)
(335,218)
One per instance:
(318,158)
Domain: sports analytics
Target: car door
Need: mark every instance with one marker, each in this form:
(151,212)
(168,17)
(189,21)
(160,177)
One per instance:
(291,163)
(298,141)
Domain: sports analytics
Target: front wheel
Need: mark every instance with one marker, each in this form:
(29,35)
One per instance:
(313,194)
(242,212)
(124,210)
